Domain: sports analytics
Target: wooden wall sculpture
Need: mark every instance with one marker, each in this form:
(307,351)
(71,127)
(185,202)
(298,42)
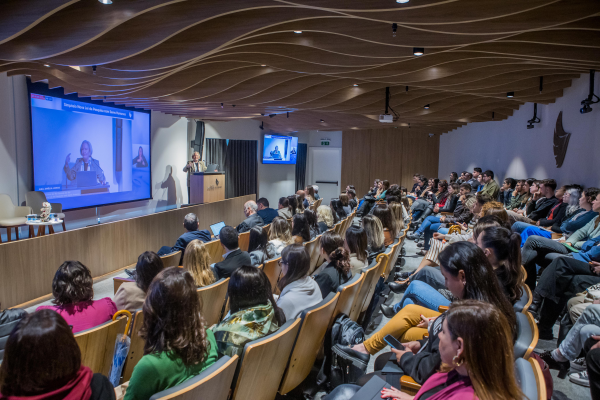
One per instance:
(395,154)
(221,60)
(561,141)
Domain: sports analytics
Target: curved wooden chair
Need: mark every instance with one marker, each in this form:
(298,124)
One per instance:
(348,293)
(213,299)
(172,260)
(527,335)
(97,344)
(244,240)
(370,276)
(312,332)
(522,305)
(313,248)
(215,251)
(382,261)
(213,383)
(273,271)
(118,281)
(136,349)
(263,363)
(454,229)
(530,379)
(267,229)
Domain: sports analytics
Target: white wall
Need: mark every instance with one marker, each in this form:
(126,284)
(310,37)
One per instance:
(511,150)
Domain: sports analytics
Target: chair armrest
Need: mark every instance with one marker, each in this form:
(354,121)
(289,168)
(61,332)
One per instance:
(406,382)
(443,309)
(447,213)
(22,211)
(56,207)
(556,235)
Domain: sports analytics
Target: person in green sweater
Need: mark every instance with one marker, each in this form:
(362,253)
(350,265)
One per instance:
(490,186)
(178,345)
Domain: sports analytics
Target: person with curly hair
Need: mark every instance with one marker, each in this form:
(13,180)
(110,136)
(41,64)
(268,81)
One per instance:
(178,344)
(73,292)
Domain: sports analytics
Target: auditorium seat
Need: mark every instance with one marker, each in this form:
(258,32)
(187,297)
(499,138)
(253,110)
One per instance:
(369,281)
(313,248)
(36,199)
(172,260)
(314,321)
(12,216)
(527,335)
(522,305)
(348,293)
(215,251)
(273,271)
(244,241)
(263,363)
(213,299)
(213,383)
(530,379)
(97,344)
(136,349)
(381,263)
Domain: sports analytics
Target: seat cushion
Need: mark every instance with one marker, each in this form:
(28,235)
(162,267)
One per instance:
(13,221)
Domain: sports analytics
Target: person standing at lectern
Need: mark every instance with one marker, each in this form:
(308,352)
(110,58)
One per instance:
(85,163)
(196,165)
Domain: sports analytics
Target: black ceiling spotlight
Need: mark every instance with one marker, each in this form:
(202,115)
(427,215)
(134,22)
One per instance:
(590,99)
(510,95)
(288,114)
(535,119)
(221,105)
(262,125)
(272,115)
(418,51)
(394,29)
(406,91)
(426,106)
(322,120)
(233,105)
(94,69)
(493,115)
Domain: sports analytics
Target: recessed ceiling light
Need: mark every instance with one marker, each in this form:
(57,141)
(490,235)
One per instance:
(418,51)
(356,84)
(297,31)
(322,120)
(427,106)
(510,95)
(105,1)
(402,1)
(47,65)
(263,65)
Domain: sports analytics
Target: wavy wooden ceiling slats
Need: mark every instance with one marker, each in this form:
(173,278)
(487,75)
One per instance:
(186,57)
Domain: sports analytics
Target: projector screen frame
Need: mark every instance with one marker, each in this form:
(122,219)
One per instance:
(43,89)
(262,150)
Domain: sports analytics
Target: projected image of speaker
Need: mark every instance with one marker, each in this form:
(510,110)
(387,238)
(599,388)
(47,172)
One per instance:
(280,149)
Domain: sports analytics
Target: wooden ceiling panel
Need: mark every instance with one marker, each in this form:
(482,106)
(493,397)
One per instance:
(187,57)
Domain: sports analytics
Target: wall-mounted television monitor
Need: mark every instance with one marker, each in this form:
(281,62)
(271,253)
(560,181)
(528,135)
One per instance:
(280,149)
(88,153)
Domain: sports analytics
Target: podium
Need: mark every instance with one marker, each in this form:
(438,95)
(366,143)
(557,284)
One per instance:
(207,187)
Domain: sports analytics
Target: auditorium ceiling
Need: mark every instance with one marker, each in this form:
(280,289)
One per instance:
(307,64)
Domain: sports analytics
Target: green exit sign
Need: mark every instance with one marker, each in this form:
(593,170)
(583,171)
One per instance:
(324,143)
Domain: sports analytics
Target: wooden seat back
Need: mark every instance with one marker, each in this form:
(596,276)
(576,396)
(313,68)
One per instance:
(370,276)
(215,251)
(310,338)
(244,240)
(213,383)
(382,261)
(313,248)
(267,229)
(273,271)
(348,293)
(263,363)
(136,350)
(213,299)
(118,281)
(97,345)
(171,260)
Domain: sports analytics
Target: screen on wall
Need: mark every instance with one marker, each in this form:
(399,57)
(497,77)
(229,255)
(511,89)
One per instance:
(280,149)
(86,153)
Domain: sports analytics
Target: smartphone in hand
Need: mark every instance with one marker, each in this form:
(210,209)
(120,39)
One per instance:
(389,339)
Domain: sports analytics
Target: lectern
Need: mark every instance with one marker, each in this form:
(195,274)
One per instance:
(207,187)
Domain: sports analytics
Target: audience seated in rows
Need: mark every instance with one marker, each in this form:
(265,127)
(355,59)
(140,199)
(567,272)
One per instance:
(541,201)
(73,293)
(259,248)
(43,361)
(375,237)
(345,203)
(356,243)
(490,187)
(178,344)
(131,295)
(267,214)
(336,269)
(191,225)
(233,257)
(300,229)
(337,210)
(313,224)
(506,192)
(197,263)
(466,372)
(298,290)
(352,198)
(555,213)
(279,235)
(384,214)
(399,217)
(252,218)
(285,211)
(309,195)
(253,311)
(324,218)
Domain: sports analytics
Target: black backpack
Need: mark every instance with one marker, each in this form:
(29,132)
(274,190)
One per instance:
(337,367)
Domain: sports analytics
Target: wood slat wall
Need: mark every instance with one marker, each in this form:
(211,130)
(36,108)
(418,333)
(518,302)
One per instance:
(27,267)
(394,154)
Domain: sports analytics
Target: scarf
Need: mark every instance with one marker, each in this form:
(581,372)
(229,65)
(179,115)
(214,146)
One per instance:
(241,327)
(78,388)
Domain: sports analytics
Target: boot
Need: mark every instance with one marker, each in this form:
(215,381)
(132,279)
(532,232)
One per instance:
(549,313)
(536,303)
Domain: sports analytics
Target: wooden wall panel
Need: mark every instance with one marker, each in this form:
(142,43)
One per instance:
(27,266)
(395,154)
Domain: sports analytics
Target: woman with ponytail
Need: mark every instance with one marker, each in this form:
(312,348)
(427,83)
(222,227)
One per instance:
(503,249)
(336,269)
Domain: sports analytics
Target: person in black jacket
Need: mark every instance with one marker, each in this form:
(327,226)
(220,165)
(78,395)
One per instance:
(191,225)
(469,275)
(540,204)
(42,357)
(233,257)
(252,218)
(8,320)
(267,214)
(337,269)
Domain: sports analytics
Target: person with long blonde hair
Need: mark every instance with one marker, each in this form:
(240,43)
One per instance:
(398,218)
(197,261)
(280,235)
(324,218)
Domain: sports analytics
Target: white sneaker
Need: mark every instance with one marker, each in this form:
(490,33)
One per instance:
(580,378)
(578,365)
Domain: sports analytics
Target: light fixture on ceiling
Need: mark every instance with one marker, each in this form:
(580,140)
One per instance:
(418,51)
(221,105)
(493,115)
(394,29)
(263,65)
(426,106)
(94,69)
(510,95)
(355,85)
(272,115)
(297,31)
(590,99)
(105,1)
(262,125)
(402,1)
(288,114)
(47,65)
(535,119)
(322,120)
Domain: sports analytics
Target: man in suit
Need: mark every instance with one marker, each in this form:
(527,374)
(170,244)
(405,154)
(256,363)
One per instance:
(267,214)
(233,257)
(252,218)
(191,225)
(196,165)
